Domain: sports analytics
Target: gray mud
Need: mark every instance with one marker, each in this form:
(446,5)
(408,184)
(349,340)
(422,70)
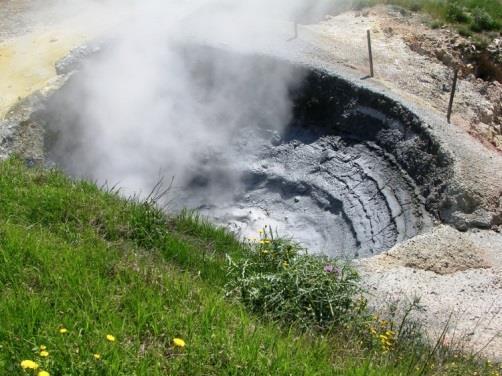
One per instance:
(351,175)
(333,195)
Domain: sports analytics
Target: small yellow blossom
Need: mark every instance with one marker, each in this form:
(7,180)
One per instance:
(44,354)
(179,342)
(29,364)
(43,373)
(43,347)
(260,231)
(63,330)
(110,338)
(97,356)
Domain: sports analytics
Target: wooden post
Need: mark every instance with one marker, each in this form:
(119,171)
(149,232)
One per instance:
(369,52)
(452,95)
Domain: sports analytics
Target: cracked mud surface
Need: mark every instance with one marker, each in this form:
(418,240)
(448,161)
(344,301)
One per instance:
(337,196)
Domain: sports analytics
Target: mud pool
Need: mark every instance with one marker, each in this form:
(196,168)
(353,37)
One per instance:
(350,175)
(332,194)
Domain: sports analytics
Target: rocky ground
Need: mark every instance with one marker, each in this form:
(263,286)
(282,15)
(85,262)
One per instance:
(456,274)
(457,278)
(418,62)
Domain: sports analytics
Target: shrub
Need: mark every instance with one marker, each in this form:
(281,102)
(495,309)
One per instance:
(456,13)
(464,31)
(415,5)
(278,279)
(482,21)
(436,24)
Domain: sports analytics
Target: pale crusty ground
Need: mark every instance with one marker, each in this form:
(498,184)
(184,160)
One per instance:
(33,40)
(453,274)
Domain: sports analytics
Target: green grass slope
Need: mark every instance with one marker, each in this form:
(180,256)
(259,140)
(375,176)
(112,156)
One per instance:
(78,264)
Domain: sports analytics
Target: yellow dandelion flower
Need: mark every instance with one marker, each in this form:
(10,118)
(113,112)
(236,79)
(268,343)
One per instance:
(44,354)
(43,347)
(97,356)
(43,373)
(179,342)
(262,241)
(110,338)
(266,241)
(63,330)
(29,364)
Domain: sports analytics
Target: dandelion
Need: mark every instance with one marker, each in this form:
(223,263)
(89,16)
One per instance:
(110,338)
(44,354)
(63,330)
(179,342)
(43,347)
(43,373)
(29,364)
(97,356)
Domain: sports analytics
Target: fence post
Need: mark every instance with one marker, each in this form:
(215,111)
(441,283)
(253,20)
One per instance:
(452,94)
(369,52)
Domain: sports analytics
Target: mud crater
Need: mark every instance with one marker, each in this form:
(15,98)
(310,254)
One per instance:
(352,174)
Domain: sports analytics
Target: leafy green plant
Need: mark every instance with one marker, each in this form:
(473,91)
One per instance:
(464,31)
(455,12)
(277,278)
(436,24)
(482,21)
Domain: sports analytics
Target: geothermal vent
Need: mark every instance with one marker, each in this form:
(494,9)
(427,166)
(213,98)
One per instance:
(342,170)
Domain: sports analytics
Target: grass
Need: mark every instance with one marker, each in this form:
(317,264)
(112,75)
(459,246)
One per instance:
(75,257)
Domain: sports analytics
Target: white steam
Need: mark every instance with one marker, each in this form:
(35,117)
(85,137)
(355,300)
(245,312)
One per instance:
(150,103)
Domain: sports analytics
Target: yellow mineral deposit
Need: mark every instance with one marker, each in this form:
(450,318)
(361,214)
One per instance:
(27,63)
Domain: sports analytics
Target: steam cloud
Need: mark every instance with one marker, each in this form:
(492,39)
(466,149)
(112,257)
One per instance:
(147,105)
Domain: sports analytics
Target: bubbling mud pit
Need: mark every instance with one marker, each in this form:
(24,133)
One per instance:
(350,175)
